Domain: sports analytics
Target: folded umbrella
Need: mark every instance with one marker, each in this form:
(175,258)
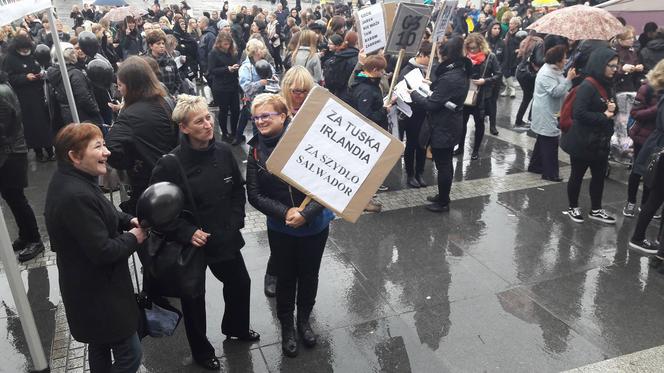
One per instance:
(579,22)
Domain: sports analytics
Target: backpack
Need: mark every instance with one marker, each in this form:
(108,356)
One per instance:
(565,121)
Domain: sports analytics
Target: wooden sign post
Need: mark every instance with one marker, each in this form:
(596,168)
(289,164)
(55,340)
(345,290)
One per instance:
(335,155)
(444,16)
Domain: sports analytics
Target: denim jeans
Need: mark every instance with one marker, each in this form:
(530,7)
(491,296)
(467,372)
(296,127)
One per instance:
(127,355)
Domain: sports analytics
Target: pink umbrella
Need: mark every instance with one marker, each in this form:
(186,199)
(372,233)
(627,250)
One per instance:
(579,22)
(119,14)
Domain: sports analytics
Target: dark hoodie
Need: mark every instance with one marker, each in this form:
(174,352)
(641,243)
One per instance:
(652,53)
(337,71)
(590,135)
(496,44)
(86,105)
(367,98)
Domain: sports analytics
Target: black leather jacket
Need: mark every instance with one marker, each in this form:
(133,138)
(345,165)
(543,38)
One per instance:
(12,139)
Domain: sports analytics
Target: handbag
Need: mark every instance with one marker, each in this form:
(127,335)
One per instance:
(655,165)
(171,268)
(474,89)
(158,318)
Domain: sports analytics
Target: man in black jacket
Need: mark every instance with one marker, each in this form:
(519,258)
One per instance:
(206,43)
(14,173)
(365,92)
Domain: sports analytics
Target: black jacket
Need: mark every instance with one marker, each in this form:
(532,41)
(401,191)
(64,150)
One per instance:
(86,105)
(337,71)
(419,111)
(205,46)
(218,191)
(491,72)
(142,133)
(187,45)
(12,139)
(237,32)
(85,231)
(269,194)
(652,53)
(451,85)
(367,98)
(510,59)
(223,79)
(129,45)
(590,135)
(497,46)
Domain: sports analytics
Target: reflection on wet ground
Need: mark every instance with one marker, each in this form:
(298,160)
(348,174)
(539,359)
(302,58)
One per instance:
(504,282)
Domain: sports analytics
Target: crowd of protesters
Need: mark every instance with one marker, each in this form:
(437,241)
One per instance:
(138,83)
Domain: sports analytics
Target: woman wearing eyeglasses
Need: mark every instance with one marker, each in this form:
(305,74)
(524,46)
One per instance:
(295,86)
(588,141)
(297,236)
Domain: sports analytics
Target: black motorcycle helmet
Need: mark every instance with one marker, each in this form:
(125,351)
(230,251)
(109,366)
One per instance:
(100,73)
(88,43)
(263,69)
(160,204)
(43,55)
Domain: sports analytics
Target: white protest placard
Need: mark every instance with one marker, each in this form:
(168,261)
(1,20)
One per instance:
(408,29)
(444,17)
(334,154)
(371,24)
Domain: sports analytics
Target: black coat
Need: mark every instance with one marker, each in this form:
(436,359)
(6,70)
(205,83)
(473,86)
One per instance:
(367,98)
(655,142)
(218,191)
(491,72)
(451,85)
(130,45)
(419,111)
(85,231)
(86,104)
(590,135)
(142,133)
(269,194)
(337,71)
(223,80)
(652,53)
(31,96)
(510,59)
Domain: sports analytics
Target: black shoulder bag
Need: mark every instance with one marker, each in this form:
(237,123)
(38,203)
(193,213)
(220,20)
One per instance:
(170,268)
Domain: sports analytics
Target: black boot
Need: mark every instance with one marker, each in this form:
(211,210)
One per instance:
(420,180)
(304,330)
(412,182)
(288,340)
(270,286)
(493,130)
(32,249)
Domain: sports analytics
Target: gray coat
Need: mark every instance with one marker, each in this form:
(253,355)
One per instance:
(312,63)
(550,89)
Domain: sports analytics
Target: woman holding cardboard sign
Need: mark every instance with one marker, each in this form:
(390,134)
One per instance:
(297,232)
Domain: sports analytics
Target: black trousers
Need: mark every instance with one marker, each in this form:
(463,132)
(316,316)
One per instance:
(237,287)
(127,355)
(227,101)
(491,105)
(414,156)
(442,157)
(528,88)
(634,180)
(297,260)
(654,202)
(598,172)
(14,174)
(478,117)
(545,156)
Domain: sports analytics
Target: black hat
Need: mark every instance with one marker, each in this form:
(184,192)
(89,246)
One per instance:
(336,39)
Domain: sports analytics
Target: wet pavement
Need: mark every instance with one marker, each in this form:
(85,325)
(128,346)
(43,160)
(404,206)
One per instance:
(503,282)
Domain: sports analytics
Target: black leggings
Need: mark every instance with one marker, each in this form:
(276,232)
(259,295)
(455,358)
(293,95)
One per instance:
(478,117)
(414,157)
(634,180)
(227,101)
(443,159)
(297,261)
(598,172)
(528,88)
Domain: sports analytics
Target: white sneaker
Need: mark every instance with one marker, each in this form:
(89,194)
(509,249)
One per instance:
(575,214)
(601,215)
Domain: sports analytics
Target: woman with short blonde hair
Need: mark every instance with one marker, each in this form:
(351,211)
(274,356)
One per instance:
(295,86)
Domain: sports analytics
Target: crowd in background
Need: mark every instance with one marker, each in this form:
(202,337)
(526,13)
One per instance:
(137,80)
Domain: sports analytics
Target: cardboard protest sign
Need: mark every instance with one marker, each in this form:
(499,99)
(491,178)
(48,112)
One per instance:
(408,30)
(444,17)
(371,26)
(334,154)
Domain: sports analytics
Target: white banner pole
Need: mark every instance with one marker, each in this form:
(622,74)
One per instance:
(63,69)
(21,299)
